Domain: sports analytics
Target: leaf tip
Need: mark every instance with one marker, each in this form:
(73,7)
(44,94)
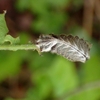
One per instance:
(4,11)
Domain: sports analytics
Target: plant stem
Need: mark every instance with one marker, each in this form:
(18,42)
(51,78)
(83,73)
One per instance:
(14,47)
(78,90)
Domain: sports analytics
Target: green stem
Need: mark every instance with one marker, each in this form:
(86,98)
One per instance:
(18,47)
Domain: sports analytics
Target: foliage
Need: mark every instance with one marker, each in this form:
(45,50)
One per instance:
(53,77)
(4,30)
(48,20)
(3,27)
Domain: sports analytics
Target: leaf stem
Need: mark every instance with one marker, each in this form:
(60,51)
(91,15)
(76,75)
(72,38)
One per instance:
(14,47)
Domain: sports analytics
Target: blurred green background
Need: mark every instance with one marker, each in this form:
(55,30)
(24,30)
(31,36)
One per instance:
(25,75)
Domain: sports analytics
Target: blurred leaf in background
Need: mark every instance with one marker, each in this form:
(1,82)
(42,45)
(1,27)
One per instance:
(49,17)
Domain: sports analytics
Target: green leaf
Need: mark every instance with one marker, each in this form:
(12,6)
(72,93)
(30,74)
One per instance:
(9,63)
(63,76)
(47,25)
(92,69)
(59,3)
(3,27)
(56,76)
(9,38)
(86,95)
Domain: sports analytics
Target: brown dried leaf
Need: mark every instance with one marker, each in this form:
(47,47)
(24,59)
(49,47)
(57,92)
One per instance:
(71,47)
